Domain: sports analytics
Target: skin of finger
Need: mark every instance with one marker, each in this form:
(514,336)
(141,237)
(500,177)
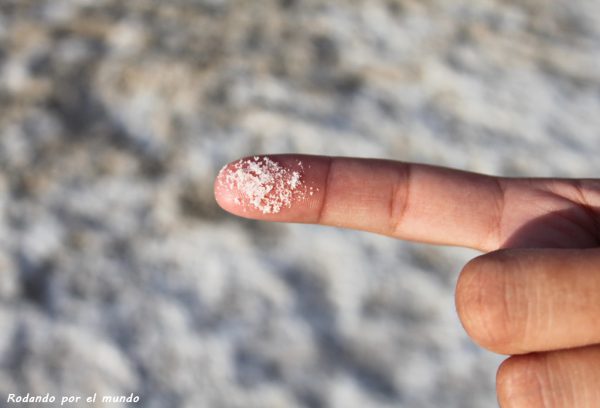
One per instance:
(314,170)
(408,201)
(524,300)
(431,204)
(566,378)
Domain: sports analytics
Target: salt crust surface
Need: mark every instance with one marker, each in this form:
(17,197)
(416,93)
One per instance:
(119,271)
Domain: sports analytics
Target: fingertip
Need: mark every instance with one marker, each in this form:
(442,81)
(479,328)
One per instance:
(224,195)
(263,187)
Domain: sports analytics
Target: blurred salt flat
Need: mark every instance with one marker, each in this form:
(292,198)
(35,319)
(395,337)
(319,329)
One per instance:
(118,272)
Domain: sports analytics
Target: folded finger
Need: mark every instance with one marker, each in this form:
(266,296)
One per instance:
(567,378)
(524,300)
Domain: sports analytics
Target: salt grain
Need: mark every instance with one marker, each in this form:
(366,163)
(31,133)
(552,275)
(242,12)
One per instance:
(295,180)
(263,184)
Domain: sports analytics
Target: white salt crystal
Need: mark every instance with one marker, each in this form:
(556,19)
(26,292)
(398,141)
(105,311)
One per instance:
(263,184)
(294,180)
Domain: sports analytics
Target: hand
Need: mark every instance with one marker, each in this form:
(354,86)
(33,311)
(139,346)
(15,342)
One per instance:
(534,295)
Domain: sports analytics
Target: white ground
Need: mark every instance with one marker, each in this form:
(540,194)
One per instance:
(118,272)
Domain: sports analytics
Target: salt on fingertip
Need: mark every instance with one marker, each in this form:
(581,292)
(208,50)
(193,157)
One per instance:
(263,184)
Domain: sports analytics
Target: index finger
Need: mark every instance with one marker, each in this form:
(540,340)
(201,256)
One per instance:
(403,200)
(413,201)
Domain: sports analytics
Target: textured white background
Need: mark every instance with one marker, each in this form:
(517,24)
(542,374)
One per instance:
(119,274)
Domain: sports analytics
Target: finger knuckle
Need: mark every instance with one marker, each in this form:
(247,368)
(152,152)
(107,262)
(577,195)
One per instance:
(487,303)
(522,381)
